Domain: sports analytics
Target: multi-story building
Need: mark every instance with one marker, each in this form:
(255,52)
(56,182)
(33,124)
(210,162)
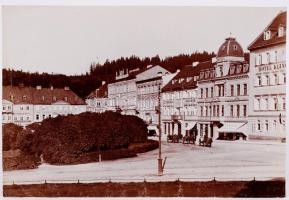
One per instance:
(149,97)
(97,100)
(26,105)
(267,107)
(122,93)
(223,94)
(179,101)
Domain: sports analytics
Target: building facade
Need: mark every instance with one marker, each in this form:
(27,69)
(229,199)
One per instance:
(223,94)
(26,105)
(179,102)
(267,107)
(97,100)
(122,93)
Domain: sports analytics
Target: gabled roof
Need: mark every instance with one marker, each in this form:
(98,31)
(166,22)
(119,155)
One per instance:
(100,92)
(260,42)
(43,96)
(185,79)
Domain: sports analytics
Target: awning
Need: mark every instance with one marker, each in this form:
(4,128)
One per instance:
(190,125)
(233,127)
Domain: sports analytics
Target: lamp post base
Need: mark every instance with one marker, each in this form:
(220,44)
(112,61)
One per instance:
(160,167)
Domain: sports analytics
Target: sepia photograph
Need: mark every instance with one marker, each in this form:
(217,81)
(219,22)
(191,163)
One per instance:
(144,101)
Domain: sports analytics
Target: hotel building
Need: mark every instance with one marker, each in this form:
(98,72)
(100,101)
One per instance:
(267,107)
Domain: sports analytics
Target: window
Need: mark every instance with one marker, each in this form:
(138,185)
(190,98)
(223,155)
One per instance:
(24,97)
(260,59)
(27,107)
(259,126)
(275,104)
(238,110)
(232,110)
(223,110)
(27,118)
(221,71)
(258,104)
(21,108)
(267,80)
(281,31)
(284,78)
(268,57)
(201,111)
(276,79)
(212,91)
(245,110)
(3,107)
(274,123)
(54,98)
(218,110)
(235,47)
(37,117)
(245,89)
(206,111)
(201,92)
(65,98)
(259,80)
(43,98)
(21,118)
(214,110)
(284,104)
(43,116)
(267,125)
(207,92)
(267,35)
(49,116)
(238,90)
(267,104)
(232,90)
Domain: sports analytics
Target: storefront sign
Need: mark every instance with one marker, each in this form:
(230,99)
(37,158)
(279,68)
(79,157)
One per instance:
(272,67)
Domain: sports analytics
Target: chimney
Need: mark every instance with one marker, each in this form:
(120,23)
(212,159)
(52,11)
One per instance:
(214,59)
(38,87)
(195,64)
(103,82)
(66,88)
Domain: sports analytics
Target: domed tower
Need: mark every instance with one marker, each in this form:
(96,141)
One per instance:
(229,52)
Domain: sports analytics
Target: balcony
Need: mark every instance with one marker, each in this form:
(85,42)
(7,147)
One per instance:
(177,117)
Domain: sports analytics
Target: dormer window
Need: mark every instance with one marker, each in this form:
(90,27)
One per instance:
(267,35)
(65,98)
(43,98)
(235,47)
(54,98)
(281,31)
(24,97)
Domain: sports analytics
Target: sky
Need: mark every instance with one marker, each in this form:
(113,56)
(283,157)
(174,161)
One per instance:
(66,39)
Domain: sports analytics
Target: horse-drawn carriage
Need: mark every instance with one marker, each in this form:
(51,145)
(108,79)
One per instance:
(205,141)
(188,139)
(174,138)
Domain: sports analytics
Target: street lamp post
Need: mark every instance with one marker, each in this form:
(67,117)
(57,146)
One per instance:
(160,160)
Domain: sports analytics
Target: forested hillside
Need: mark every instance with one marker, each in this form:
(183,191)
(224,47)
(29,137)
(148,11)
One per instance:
(83,84)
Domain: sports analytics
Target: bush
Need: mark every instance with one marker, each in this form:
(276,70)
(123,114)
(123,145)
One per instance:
(12,136)
(65,139)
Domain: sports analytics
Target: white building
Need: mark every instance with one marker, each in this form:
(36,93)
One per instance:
(267,105)
(122,93)
(223,94)
(179,102)
(97,100)
(149,94)
(26,105)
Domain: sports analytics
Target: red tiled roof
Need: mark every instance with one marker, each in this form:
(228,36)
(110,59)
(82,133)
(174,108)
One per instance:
(185,78)
(100,92)
(44,96)
(259,42)
(230,48)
